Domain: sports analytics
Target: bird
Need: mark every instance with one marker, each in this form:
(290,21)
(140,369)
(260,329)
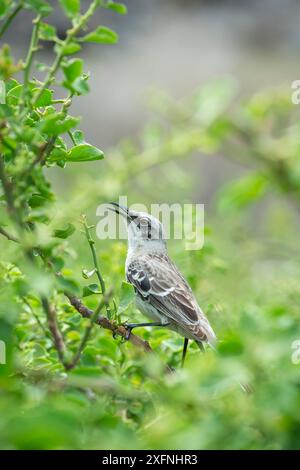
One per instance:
(161,292)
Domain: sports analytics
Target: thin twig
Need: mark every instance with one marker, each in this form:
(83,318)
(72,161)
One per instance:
(33,47)
(45,331)
(10,18)
(8,235)
(54,329)
(71,137)
(47,147)
(91,242)
(60,54)
(9,196)
(41,157)
(88,331)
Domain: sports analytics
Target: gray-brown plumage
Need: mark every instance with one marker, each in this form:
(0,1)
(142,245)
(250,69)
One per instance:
(162,293)
(162,288)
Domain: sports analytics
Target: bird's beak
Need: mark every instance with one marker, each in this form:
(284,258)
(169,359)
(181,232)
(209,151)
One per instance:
(121,210)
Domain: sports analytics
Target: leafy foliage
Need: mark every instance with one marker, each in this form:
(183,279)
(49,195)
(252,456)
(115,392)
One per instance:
(67,382)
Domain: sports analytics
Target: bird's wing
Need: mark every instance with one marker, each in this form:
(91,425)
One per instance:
(159,282)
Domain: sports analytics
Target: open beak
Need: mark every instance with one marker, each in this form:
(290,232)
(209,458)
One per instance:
(121,210)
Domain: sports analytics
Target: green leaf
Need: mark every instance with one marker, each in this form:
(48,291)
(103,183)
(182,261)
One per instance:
(241,193)
(14,94)
(22,287)
(64,233)
(78,137)
(71,48)
(213,99)
(231,345)
(127,296)
(56,123)
(84,153)
(61,143)
(4,4)
(47,32)
(30,136)
(68,49)
(117,7)
(101,35)
(58,263)
(87,274)
(75,80)
(2,93)
(58,154)
(72,69)
(8,141)
(41,66)
(45,99)
(5,111)
(80,86)
(67,284)
(61,163)
(37,200)
(10,84)
(42,7)
(71,7)
(90,290)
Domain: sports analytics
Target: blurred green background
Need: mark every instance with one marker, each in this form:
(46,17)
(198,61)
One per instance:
(193,105)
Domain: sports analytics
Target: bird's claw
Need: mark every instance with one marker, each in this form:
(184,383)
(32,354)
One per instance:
(128,327)
(128,332)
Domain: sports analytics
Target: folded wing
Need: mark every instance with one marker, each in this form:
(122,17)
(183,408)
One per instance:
(159,282)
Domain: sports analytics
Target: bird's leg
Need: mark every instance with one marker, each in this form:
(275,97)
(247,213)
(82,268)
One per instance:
(129,326)
(185,345)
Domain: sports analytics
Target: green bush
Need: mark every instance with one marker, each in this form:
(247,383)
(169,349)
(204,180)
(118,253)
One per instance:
(68,382)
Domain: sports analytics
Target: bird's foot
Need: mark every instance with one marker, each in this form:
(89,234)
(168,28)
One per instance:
(128,333)
(129,327)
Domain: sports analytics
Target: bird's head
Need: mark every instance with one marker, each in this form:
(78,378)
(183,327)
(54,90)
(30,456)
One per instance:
(144,230)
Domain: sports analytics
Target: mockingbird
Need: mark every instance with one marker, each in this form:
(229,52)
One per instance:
(162,294)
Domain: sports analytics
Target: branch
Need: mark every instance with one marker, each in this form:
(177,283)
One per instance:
(103,322)
(107,324)
(93,318)
(41,157)
(70,36)
(54,329)
(7,189)
(48,308)
(8,235)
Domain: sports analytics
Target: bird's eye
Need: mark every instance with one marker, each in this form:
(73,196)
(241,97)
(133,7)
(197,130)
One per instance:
(142,223)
